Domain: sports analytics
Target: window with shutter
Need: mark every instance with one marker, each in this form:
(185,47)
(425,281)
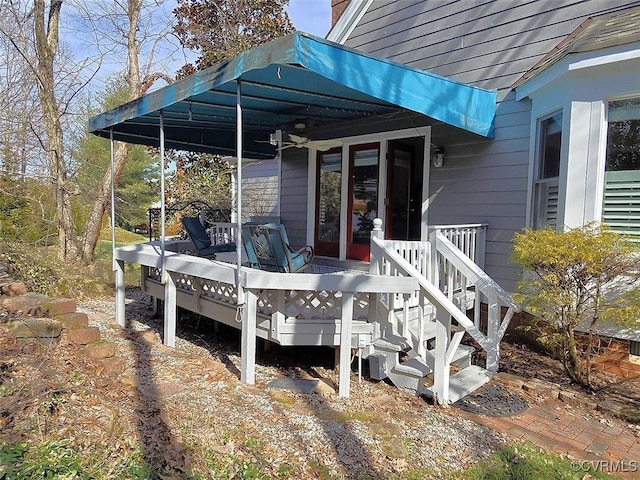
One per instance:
(621,205)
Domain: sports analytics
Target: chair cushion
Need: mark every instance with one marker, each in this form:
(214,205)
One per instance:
(197,233)
(211,250)
(298,260)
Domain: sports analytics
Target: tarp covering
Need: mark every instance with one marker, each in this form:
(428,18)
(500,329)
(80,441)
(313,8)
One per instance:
(296,76)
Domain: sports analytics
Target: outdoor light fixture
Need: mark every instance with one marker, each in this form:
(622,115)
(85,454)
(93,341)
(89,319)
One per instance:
(437,158)
(275,138)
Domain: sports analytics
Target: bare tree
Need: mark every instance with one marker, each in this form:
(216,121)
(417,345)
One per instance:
(18,104)
(47,21)
(123,22)
(39,84)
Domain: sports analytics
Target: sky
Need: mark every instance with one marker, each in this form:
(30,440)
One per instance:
(311,16)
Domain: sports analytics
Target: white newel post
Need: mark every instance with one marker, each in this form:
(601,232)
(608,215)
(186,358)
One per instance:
(375,268)
(170,307)
(248,348)
(374,261)
(493,317)
(345,344)
(120,292)
(441,367)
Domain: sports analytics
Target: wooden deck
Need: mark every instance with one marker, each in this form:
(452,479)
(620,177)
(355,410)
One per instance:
(358,308)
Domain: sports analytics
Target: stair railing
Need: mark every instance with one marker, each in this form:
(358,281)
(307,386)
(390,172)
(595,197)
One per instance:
(385,252)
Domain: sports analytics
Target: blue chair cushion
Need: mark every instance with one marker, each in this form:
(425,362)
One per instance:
(197,233)
(213,249)
(298,261)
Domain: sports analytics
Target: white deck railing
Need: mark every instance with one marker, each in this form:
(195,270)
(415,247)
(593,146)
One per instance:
(470,239)
(223,232)
(387,257)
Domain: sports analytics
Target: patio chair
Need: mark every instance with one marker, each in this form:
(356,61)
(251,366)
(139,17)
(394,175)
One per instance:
(267,247)
(201,241)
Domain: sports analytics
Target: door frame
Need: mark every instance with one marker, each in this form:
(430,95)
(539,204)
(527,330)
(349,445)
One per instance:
(383,138)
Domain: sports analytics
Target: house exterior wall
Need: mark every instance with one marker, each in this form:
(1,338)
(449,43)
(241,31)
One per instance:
(293,194)
(260,189)
(490,44)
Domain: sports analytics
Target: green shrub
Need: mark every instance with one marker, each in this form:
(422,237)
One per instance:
(577,278)
(43,272)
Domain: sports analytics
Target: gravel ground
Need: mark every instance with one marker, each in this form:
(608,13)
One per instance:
(189,406)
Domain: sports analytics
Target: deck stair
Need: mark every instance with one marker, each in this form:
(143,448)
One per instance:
(464,382)
(406,368)
(419,347)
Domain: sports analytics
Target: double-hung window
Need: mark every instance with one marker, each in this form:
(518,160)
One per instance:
(545,187)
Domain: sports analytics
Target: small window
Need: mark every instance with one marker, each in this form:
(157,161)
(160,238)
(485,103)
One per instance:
(546,186)
(623,135)
(634,348)
(550,141)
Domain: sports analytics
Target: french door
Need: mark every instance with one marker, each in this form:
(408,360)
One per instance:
(362,205)
(328,202)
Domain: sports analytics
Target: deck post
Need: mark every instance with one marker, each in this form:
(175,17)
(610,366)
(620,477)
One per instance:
(345,344)
(120,292)
(248,349)
(493,316)
(441,368)
(375,267)
(170,307)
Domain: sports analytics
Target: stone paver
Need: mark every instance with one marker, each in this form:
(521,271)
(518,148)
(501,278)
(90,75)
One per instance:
(608,444)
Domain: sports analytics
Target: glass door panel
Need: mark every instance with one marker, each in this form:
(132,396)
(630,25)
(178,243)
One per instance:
(363,199)
(399,189)
(328,194)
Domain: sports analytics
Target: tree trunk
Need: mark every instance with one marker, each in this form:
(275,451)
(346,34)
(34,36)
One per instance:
(121,150)
(46,33)
(573,365)
(102,201)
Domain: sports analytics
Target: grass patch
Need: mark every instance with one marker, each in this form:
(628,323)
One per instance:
(528,462)
(123,237)
(56,459)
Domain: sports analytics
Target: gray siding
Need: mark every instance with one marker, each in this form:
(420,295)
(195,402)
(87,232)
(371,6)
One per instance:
(260,189)
(293,204)
(489,44)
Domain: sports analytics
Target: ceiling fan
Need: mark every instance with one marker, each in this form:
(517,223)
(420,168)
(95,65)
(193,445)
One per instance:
(300,141)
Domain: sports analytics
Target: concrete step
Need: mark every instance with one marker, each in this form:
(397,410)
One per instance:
(391,343)
(466,381)
(414,367)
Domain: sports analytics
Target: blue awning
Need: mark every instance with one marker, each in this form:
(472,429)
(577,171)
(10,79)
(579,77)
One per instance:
(293,77)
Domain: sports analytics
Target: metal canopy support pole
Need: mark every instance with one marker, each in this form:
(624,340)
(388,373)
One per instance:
(117,265)
(247,313)
(162,199)
(113,202)
(169,281)
(239,190)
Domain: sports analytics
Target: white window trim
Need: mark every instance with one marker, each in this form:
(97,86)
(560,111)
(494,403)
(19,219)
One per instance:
(534,162)
(578,85)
